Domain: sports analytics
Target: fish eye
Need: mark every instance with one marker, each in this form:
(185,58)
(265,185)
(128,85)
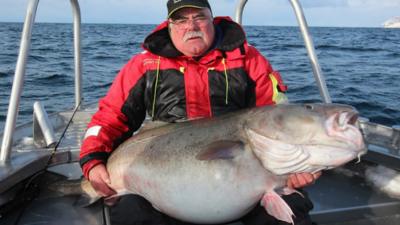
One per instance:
(309,107)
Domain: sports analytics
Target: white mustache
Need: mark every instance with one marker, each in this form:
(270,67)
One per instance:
(192,34)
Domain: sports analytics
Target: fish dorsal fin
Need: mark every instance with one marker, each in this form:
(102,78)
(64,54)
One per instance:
(277,156)
(222,149)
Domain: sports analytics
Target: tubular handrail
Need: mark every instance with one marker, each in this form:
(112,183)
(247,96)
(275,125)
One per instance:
(239,11)
(16,90)
(319,77)
(77,52)
(19,76)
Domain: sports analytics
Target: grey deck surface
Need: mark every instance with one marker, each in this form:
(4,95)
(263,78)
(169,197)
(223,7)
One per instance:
(338,199)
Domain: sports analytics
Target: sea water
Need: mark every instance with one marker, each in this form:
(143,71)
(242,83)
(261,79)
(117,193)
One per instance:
(361,65)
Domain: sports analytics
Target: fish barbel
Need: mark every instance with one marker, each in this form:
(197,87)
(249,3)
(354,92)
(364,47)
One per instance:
(216,170)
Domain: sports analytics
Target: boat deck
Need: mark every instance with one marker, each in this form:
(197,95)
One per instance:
(338,198)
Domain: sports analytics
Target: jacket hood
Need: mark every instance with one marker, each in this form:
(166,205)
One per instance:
(160,43)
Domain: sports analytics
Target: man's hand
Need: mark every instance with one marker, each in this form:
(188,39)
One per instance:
(299,180)
(100,180)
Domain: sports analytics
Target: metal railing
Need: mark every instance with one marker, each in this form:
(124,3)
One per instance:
(319,77)
(239,11)
(19,76)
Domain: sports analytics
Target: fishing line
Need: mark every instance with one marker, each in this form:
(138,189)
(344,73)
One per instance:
(27,196)
(62,135)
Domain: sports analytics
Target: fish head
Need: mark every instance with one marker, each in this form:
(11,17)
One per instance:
(305,138)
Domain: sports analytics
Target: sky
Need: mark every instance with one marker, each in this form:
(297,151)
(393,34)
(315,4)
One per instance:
(327,13)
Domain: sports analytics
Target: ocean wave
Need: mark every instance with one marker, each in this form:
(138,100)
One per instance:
(50,80)
(393,55)
(103,43)
(347,48)
(5,85)
(4,74)
(37,58)
(45,49)
(53,77)
(102,57)
(376,112)
(98,86)
(133,43)
(9,54)
(295,46)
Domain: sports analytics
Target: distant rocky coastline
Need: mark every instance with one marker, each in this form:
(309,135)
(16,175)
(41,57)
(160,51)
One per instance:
(392,23)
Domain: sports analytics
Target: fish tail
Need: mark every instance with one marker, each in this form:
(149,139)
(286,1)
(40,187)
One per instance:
(82,188)
(277,207)
(89,195)
(67,187)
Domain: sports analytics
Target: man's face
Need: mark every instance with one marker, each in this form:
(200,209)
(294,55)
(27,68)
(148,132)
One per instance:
(192,30)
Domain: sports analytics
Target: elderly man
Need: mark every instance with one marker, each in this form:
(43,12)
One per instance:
(193,66)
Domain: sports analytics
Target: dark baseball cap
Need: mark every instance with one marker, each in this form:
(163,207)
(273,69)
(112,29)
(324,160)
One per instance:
(175,5)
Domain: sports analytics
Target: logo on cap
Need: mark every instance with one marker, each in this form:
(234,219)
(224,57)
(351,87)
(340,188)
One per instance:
(176,1)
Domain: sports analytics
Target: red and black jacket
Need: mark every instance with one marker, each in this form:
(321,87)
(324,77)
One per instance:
(169,86)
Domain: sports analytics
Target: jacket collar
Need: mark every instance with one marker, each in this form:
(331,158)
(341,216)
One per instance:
(160,43)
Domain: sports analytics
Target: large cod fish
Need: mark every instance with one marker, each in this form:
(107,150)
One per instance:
(216,170)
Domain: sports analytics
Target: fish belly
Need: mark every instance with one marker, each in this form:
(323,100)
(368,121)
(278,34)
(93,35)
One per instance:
(199,191)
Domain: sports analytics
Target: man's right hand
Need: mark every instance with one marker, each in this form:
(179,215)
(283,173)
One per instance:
(100,180)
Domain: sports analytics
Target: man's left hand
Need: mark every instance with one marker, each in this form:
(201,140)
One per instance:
(299,180)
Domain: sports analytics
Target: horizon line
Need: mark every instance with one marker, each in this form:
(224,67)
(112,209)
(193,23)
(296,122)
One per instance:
(155,24)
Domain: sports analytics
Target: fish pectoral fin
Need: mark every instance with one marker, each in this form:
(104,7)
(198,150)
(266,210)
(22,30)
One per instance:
(222,149)
(277,156)
(277,207)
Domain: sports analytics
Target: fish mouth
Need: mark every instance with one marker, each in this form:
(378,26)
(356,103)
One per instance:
(344,127)
(346,118)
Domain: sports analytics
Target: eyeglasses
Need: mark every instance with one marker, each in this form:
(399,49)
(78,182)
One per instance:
(184,22)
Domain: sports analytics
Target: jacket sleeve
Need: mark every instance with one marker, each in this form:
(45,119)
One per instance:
(110,125)
(269,87)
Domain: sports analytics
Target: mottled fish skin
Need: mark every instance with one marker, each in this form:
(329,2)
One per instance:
(184,175)
(211,171)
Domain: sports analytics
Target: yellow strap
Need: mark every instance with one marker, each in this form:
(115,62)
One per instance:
(155,88)
(226,82)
